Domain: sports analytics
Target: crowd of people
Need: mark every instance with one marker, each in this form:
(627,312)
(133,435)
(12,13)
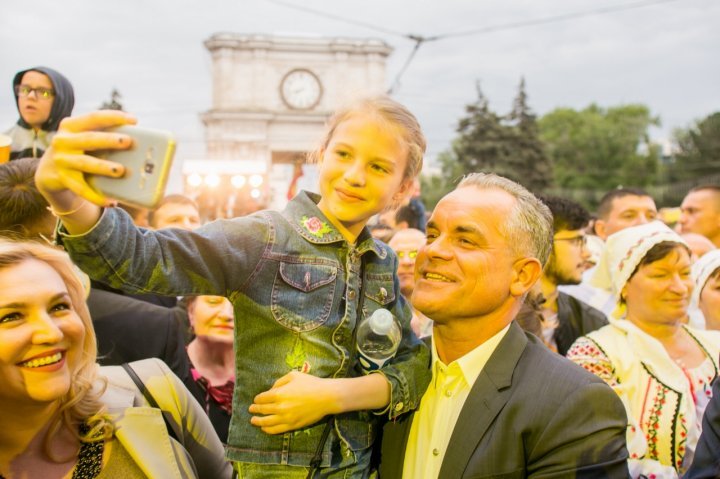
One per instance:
(536,339)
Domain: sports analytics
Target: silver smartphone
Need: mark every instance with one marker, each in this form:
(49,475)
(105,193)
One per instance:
(147,167)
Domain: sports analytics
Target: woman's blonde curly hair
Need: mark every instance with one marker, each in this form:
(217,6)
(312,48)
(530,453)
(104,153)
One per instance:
(82,401)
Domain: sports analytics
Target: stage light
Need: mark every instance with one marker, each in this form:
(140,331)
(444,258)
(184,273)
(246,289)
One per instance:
(238,181)
(256,181)
(212,180)
(194,180)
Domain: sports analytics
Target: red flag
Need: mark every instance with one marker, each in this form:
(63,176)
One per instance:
(297,173)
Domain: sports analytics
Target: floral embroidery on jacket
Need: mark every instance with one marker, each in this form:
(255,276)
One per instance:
(316,226)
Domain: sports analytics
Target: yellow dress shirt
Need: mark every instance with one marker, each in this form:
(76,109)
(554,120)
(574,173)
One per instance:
(440,407)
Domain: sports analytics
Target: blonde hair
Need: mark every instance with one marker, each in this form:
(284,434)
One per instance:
(394,114)
(82,401)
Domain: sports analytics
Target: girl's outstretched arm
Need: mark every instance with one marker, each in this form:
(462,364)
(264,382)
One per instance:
(297,400)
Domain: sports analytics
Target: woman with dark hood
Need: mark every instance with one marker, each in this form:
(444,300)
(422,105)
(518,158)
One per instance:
(43,97)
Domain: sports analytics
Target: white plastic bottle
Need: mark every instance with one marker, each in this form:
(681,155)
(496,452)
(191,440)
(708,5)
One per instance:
(378,338)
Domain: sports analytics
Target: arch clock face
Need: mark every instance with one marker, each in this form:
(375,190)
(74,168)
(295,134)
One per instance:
(301,89)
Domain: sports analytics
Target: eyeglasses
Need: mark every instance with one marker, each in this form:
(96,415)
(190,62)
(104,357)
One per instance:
(410,254)
(578,241)
(40,92)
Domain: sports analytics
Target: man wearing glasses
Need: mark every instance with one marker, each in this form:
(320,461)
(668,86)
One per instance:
(44,97)
(566,318)
(406,243)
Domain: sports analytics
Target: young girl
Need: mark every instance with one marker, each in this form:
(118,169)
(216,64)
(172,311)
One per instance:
(299,280)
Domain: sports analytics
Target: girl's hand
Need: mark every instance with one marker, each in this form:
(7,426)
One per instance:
(60,174)
(295,400)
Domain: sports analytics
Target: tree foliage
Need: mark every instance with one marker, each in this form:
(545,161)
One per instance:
(698,153)
(600,149)
(505,145)
(114,103)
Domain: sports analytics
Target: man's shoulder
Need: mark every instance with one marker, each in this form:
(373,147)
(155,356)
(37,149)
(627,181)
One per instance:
(105,304)
(539,367)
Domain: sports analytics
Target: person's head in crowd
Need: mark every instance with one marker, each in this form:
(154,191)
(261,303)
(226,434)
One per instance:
(44,97)
(24,212)
(138,214)
(406,243)
(407,217)
(388,139)
(47,346)
(623,208)
(175,211)
(700,212)
(706,295)
(699,245)
(211,319)
(648,269)
(382,232)
(569,253)
(487,242)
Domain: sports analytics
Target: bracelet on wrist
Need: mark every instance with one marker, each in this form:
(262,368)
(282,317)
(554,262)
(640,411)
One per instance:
(66,213)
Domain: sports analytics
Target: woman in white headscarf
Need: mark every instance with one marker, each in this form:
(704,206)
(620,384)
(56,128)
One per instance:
(660,368)
(706,295)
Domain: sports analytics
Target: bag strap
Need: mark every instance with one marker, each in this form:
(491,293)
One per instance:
(317,457)
(150,399)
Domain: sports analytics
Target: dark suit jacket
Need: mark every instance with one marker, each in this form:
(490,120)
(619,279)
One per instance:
(128,330)
(706,464)
(530,413)
(575,319)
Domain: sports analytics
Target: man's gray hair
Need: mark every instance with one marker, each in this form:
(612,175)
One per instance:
(529,228)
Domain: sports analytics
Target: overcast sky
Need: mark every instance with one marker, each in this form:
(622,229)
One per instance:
(664,55)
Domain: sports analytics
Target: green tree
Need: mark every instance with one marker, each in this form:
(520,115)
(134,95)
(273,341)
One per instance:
(699,149)
(487,142)
(114,103)
(537,169)
(599,149)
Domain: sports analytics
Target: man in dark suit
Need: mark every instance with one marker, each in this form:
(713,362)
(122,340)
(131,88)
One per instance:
(129,330)
(500,404)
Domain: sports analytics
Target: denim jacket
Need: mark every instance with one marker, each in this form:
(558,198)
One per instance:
(295,284)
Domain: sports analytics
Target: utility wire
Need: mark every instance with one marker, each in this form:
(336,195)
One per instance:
(339,18)
(553,19)
(420,39)
(396,83)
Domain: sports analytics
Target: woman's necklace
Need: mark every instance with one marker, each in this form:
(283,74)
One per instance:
(89,457)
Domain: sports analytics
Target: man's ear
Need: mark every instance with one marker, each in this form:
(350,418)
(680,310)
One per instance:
(599,227)
(526,272)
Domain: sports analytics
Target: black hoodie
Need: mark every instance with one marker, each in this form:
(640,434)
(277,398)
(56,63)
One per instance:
(61,108)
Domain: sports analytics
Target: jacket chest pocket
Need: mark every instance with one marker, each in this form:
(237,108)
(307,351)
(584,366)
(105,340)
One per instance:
(379,291)
(302,296)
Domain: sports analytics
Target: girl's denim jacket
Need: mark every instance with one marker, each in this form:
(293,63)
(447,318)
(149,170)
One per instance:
(295,285)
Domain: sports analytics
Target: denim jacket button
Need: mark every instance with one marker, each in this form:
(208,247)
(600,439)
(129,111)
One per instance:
(351,294)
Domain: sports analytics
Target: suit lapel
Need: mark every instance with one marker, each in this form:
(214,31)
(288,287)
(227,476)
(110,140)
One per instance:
(486,399)
(395,437)
(394,441)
